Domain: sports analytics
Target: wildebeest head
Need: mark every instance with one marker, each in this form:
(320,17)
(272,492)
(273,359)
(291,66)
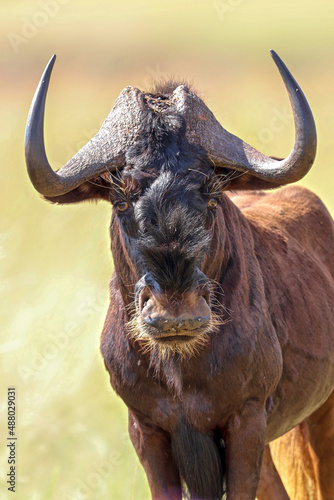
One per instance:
(164,161)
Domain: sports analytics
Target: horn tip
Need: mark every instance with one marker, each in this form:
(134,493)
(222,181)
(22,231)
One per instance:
(52,59)
(282,67)
(275,56)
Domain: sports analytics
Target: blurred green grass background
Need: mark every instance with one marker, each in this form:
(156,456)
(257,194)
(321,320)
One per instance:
(55,261)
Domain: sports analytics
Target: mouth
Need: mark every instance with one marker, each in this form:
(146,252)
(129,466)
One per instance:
(167,339)
(168,343)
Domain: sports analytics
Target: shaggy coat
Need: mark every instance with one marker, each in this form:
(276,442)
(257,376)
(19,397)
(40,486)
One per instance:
(219,336)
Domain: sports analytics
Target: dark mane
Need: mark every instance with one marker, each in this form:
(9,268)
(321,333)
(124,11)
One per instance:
(167,87)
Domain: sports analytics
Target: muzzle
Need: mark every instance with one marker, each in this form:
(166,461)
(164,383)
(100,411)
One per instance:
(170,320)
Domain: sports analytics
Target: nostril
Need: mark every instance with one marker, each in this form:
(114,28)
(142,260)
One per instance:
(206,297)
(144,298)
(144,302)
(206,294)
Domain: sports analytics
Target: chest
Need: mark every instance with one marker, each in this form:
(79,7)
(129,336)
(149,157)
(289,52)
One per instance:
(205,392)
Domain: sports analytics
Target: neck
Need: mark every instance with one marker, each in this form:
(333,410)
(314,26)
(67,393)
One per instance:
(123,263)
(235,262)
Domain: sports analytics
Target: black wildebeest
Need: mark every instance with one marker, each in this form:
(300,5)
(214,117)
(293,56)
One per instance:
(219,335)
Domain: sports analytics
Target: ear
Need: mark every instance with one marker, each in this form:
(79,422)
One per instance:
(248,182)
(240,181)
(96,189)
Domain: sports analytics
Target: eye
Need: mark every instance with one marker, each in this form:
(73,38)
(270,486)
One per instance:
(122,206)
(212,203)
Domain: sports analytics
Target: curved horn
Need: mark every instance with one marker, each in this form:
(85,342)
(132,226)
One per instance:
(227,150)
(104,152)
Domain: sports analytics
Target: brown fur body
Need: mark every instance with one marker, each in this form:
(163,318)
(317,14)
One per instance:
(220,331)
(267,369)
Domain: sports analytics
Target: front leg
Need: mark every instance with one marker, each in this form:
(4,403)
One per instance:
(245,438)
(270,484)
(153,448)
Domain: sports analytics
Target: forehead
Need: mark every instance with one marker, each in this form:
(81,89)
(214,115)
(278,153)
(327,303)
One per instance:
(161,146)
(161,154)
(160,179)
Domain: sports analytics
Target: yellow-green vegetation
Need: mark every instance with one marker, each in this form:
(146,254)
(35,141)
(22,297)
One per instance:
(72,439)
